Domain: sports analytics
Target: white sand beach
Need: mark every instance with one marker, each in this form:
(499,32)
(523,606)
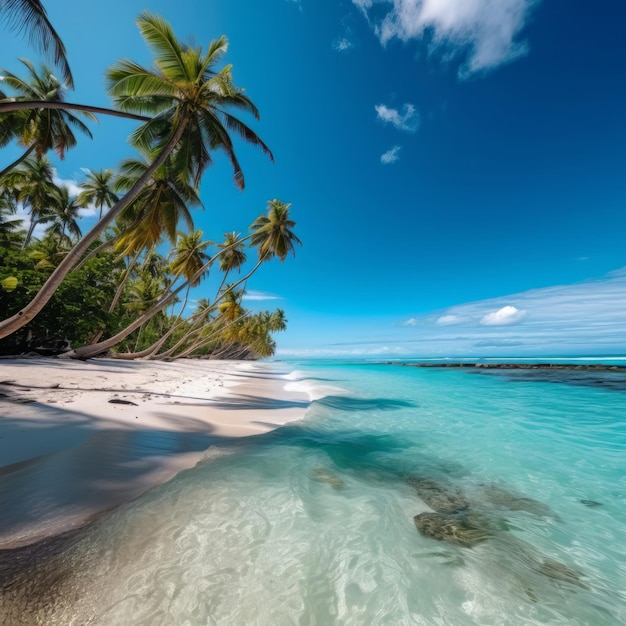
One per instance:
(79,438)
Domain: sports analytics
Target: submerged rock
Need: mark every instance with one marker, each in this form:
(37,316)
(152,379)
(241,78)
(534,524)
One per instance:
(437,496)
(322,475)
(455,528)
(514,502)
(557,571)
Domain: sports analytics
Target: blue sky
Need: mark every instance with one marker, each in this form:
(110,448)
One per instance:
(456,171)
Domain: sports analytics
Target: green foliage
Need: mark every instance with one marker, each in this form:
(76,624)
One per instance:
(125,282)
(75,312)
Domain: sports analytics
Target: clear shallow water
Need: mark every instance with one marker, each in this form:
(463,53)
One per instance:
(313,523)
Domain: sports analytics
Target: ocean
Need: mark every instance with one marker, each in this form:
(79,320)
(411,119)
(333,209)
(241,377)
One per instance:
(406,496)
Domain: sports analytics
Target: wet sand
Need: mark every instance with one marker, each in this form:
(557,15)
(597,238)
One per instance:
(80,438)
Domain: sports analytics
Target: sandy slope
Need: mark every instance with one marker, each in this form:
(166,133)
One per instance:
(67,452)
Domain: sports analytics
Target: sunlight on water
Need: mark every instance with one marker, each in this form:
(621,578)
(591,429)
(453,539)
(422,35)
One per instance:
(314,524)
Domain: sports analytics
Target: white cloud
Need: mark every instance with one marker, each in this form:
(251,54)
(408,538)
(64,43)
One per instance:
(503,317)
(364,5)
(342,44)
(450,320)
(391,156)
(586,318)
(259,296)
(74,189)
(487,30)
(410,322)
(408,119)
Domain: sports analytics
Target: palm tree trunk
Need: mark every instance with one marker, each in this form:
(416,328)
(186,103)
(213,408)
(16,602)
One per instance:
(29,234)
(21,318)
(26,105)
(205,340)
(86,352)
(17,161)
(157,344)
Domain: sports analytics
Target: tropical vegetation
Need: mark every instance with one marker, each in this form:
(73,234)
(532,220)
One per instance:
(128,286)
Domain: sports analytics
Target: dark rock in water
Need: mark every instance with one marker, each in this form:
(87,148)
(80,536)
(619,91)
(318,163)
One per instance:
(504,498)
(558,571)
(457,529)
(591,503)
(322,475)
(437,496)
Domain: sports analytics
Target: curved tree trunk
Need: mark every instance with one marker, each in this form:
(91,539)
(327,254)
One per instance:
(26,105)
(205,340)
(86,352)
(21,318)
(17,161)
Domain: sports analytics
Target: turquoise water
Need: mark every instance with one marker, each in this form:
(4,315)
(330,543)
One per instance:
(313,523)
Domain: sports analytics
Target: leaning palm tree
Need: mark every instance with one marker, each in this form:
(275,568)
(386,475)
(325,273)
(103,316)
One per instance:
(275,229)
(190,100)
(31,16)
(97,190)
(42,129)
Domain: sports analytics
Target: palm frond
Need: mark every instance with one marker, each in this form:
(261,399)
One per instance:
(31,16)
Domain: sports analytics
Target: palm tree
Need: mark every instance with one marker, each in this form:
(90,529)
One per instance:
(48,252)
(9,226)
(190,255)
(234,256)
(35,188)
(275,228)
(97,190)
(190,100)
(160,206)
(273,234)
(65,216)
(31,16)
(42,129)
(184,93)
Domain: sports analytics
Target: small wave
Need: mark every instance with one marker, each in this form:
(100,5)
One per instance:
(313,389)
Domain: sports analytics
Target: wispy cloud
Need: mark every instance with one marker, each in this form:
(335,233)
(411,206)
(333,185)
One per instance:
(485,31)
(450,320)
(391,156)
(582,318)
(412,321)
(406,119)
(259,296)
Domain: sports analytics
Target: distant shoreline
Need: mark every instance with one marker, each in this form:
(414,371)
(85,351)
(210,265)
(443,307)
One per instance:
(518,366)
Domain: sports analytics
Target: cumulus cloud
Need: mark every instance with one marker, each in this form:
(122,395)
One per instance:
(487,31)
(586,318)
(503,317)
(410,322)
(391,156)
(407,119)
